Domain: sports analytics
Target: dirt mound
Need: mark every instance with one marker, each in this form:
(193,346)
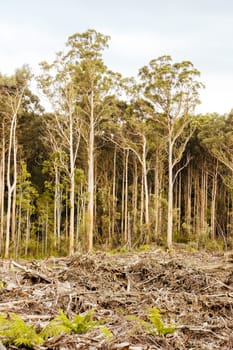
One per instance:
(194,292)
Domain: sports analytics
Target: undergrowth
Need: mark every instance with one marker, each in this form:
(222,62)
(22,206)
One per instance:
(154,315)
(14,331)
(156,326)
(61,324)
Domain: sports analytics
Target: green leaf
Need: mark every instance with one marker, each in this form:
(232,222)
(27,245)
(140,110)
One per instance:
(61,324)
(14,330)
(154,316)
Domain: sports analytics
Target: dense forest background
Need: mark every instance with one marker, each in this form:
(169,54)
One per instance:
(117,163)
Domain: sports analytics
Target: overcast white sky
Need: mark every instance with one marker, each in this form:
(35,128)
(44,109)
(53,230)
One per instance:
(197,30)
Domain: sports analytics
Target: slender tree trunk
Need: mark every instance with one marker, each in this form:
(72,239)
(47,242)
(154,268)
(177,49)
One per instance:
(59,213)
(188,203)
(157,185)
(2,188)
(196,205)
(13,213)
(67,217)
(19,224)
(203,200)
(142,211)
(46,230)
(135,198)
(178,203)
(55,208)
(71,230)
(145,183)
(170,193)
(11,179)
(10,185)
(72,187)
(213,202)
(113,195)
(27,232)
(123,198)
(90,210)
(126,197)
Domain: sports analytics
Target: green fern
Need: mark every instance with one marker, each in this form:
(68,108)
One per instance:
(139,325)
(61,324)
(13,330)
(155,326)
(106,332)
(154,316)
(82,324)
(3,320)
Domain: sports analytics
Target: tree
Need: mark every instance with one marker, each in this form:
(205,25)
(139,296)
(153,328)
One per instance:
(172,90)
(95,85)
(12,91)
(79,86)
(63,127)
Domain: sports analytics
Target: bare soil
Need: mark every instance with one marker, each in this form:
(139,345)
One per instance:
(194,291)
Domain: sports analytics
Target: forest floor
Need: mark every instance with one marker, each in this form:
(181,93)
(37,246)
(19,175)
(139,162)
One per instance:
(193,291)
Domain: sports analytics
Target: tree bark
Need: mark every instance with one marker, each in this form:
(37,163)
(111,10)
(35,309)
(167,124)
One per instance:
(2,188)
(145,184)
(10,184)
(170,192)
(90,210)
(213,202)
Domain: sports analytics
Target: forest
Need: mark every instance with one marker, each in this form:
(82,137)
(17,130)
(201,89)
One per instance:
(114,163)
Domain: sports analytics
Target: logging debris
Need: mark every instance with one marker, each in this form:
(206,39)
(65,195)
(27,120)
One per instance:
(194,292)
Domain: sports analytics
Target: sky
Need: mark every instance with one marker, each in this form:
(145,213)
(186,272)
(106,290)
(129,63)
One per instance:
(200,31)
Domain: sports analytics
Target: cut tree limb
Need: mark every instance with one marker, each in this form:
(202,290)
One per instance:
(32,273)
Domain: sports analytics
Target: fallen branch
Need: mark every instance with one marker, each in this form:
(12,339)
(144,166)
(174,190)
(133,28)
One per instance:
(32,273)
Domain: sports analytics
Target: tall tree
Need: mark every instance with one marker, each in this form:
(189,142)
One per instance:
(94,84)
(79,86)
(172,90)
(12,91)
(63,127)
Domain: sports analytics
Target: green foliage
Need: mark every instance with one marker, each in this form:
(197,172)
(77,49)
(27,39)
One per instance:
(144,248)
(106,332)
(139,324)
(13,330)
(216,245)
(156,324)
(61,324)
(154,315)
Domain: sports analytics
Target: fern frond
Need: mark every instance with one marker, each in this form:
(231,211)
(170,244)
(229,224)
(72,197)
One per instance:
(83,323)
(14,330)
(106,332)
(59,325)
(154,316)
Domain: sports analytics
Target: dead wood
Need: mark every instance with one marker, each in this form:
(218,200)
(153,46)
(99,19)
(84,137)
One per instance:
(29,273)
(192,290)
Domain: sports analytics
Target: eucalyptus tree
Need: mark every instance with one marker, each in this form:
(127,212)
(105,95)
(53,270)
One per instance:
(80,87)
(172,89)
(12,92)
(95,86)
(62,126)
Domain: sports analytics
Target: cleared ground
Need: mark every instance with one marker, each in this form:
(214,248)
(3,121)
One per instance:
(193,291)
